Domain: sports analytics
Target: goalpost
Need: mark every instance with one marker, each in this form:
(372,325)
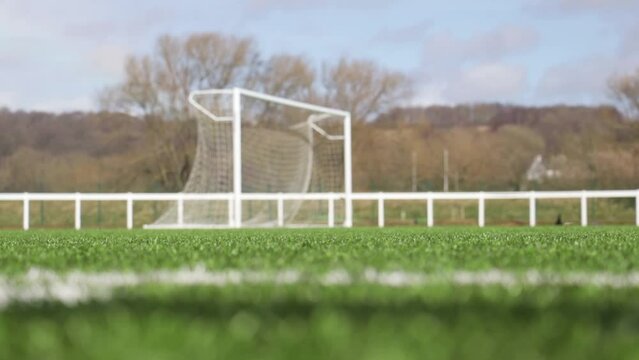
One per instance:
(273,162)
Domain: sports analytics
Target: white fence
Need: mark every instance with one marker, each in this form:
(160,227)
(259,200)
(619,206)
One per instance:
(428,197)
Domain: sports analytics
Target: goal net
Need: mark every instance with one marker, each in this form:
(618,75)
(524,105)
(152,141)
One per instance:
(278,162)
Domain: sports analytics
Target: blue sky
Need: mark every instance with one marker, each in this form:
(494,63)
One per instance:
(56,55)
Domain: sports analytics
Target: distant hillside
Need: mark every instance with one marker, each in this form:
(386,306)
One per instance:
(553,123)
(92,134)
(495,114)
(490,146)
(69,152)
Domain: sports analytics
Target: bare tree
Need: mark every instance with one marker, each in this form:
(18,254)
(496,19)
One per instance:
(625,90)
(138,93)
(288,76)
(363,88)
(159,84)
(156,87)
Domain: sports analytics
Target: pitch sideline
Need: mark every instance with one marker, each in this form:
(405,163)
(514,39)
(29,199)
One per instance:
(71,288)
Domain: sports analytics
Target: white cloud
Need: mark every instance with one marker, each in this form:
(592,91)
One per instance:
(8,98)
(430,94)
(487,82)
(585,80)
(580,81)
(10,59)
(577,6)
(52,51)
(404,34)
(266,5)
(446,48)
(476,68)
(109,59)
(629,45)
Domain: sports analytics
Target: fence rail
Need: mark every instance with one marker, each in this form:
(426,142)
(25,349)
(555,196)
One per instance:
(380,197)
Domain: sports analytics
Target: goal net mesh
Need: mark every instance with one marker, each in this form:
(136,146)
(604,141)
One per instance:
(284,149)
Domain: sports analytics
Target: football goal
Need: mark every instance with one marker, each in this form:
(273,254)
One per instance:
(263,160)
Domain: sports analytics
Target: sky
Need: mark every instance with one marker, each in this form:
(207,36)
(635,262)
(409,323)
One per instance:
(57,55)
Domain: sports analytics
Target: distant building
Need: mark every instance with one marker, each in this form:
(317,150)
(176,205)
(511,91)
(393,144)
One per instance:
(538,171)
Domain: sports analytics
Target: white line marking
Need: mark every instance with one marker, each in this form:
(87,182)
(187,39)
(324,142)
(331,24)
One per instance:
(75,287)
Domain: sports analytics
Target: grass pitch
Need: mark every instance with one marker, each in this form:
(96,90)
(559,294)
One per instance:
(310,319)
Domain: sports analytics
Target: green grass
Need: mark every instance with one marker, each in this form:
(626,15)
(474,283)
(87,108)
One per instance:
(573,248)
(311,321)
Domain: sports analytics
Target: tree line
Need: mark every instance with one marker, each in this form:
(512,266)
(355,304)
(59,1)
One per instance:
(591,148)
(143,138)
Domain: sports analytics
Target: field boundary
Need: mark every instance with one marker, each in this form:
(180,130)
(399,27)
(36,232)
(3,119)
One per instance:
(380,197)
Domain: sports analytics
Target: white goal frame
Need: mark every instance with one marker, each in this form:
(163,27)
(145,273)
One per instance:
(235,214)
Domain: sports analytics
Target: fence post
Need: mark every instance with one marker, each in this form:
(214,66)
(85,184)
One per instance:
(180,209)
(532,209)
(25,212)
(331,211)
(280,210)
(78,212)
(480,213)
(430,212)
(637,208)
(129,211)
(380,211)
(584,208)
